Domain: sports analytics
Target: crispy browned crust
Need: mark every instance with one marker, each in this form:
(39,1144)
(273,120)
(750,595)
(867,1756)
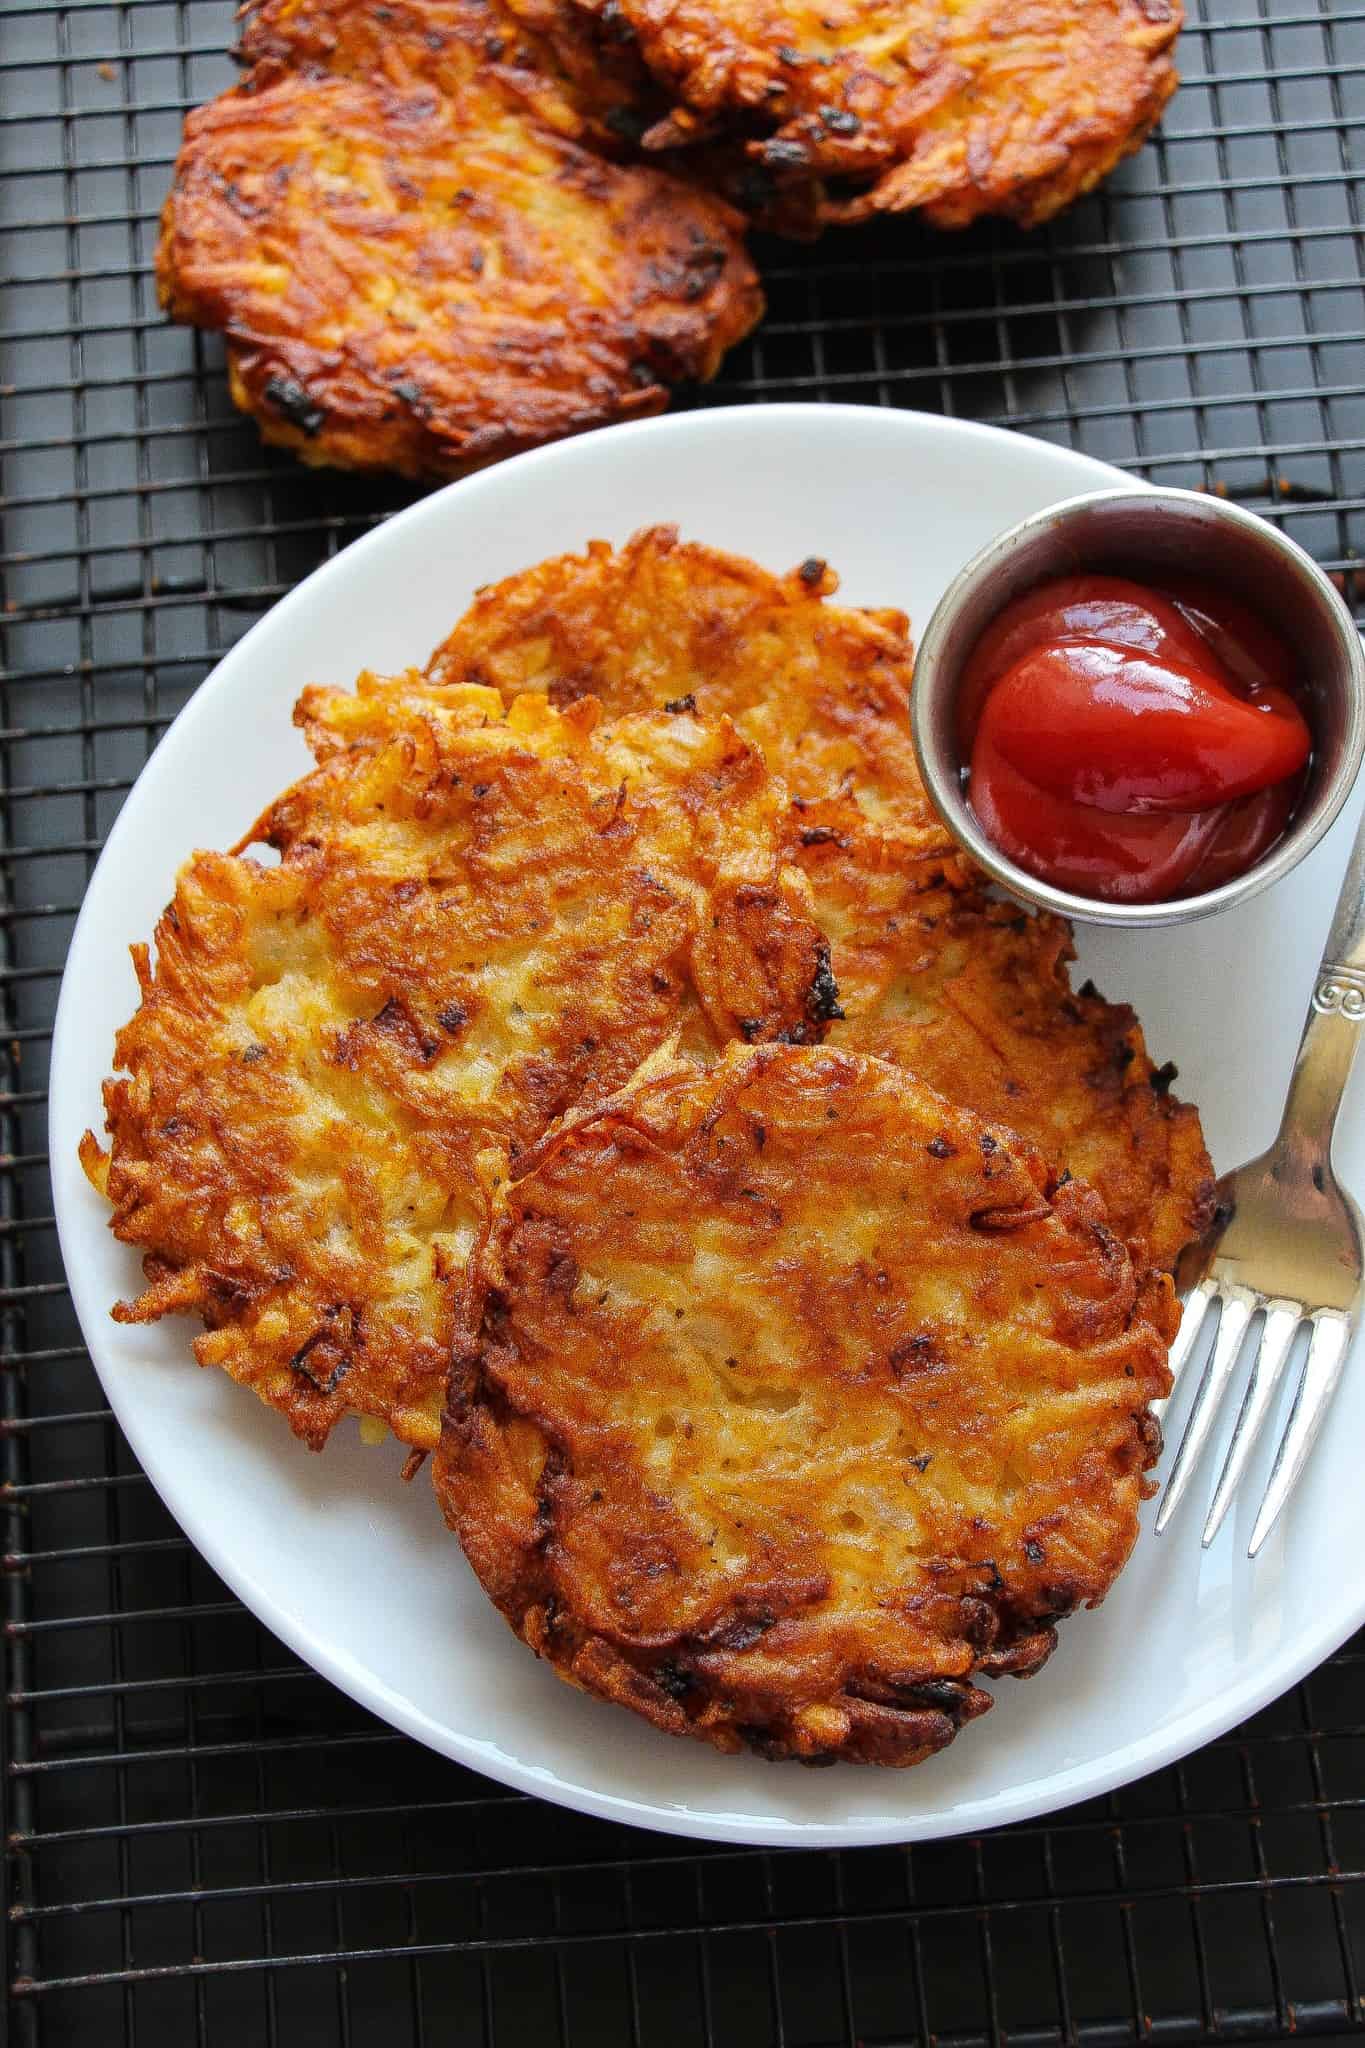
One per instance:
(578,74)
(973,996)
(476,922)
(994,106)
(795,1402)
(823,690)
(548,56)
(416,264)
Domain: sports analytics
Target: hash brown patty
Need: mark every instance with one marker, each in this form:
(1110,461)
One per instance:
(477,920)
(822,689)
(971,995)
(794,1402)
(416,264)
(956,107)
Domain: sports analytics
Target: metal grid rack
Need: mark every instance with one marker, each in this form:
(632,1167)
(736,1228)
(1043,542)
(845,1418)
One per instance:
(206,1842)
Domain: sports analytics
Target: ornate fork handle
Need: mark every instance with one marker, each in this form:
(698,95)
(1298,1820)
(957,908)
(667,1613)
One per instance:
(1330,1039)
(1340,991)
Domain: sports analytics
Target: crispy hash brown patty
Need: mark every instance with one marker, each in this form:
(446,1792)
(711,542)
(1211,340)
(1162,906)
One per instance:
(822,689)
(417,268)
(795,1402)
(477,920)
(974,998)
(976,107)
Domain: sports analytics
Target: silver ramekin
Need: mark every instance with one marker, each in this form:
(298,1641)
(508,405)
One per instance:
(1135,533)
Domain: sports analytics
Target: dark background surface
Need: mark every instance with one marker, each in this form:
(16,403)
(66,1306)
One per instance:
(208,1844)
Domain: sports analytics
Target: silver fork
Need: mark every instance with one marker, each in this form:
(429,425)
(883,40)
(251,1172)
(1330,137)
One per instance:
(1285,1246)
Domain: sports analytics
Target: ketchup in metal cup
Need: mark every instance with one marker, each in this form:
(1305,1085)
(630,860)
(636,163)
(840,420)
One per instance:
(1132,742)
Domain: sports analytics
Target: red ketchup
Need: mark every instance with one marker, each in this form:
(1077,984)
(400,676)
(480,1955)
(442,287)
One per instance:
(1132,743)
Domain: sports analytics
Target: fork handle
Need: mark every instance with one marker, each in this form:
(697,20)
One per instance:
(1332,1030)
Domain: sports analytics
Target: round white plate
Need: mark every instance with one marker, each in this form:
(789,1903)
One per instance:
(356,1572)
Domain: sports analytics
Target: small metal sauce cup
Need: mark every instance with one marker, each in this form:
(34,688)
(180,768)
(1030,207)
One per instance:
(1138,534)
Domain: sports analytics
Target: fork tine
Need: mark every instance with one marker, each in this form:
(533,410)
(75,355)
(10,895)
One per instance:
(1282,1319)
(1239,1305)
(1322,1369)
(1197,1306)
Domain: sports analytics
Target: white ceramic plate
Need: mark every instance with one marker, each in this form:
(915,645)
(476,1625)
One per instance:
(357,1573)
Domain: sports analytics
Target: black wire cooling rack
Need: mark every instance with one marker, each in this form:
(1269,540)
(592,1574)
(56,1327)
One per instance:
(206,1843)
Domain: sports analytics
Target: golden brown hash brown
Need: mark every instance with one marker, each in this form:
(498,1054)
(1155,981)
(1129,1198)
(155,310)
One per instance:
(822,689)
(974,998)
(956,107)
(796,1400)
(476,921)
(417,270)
